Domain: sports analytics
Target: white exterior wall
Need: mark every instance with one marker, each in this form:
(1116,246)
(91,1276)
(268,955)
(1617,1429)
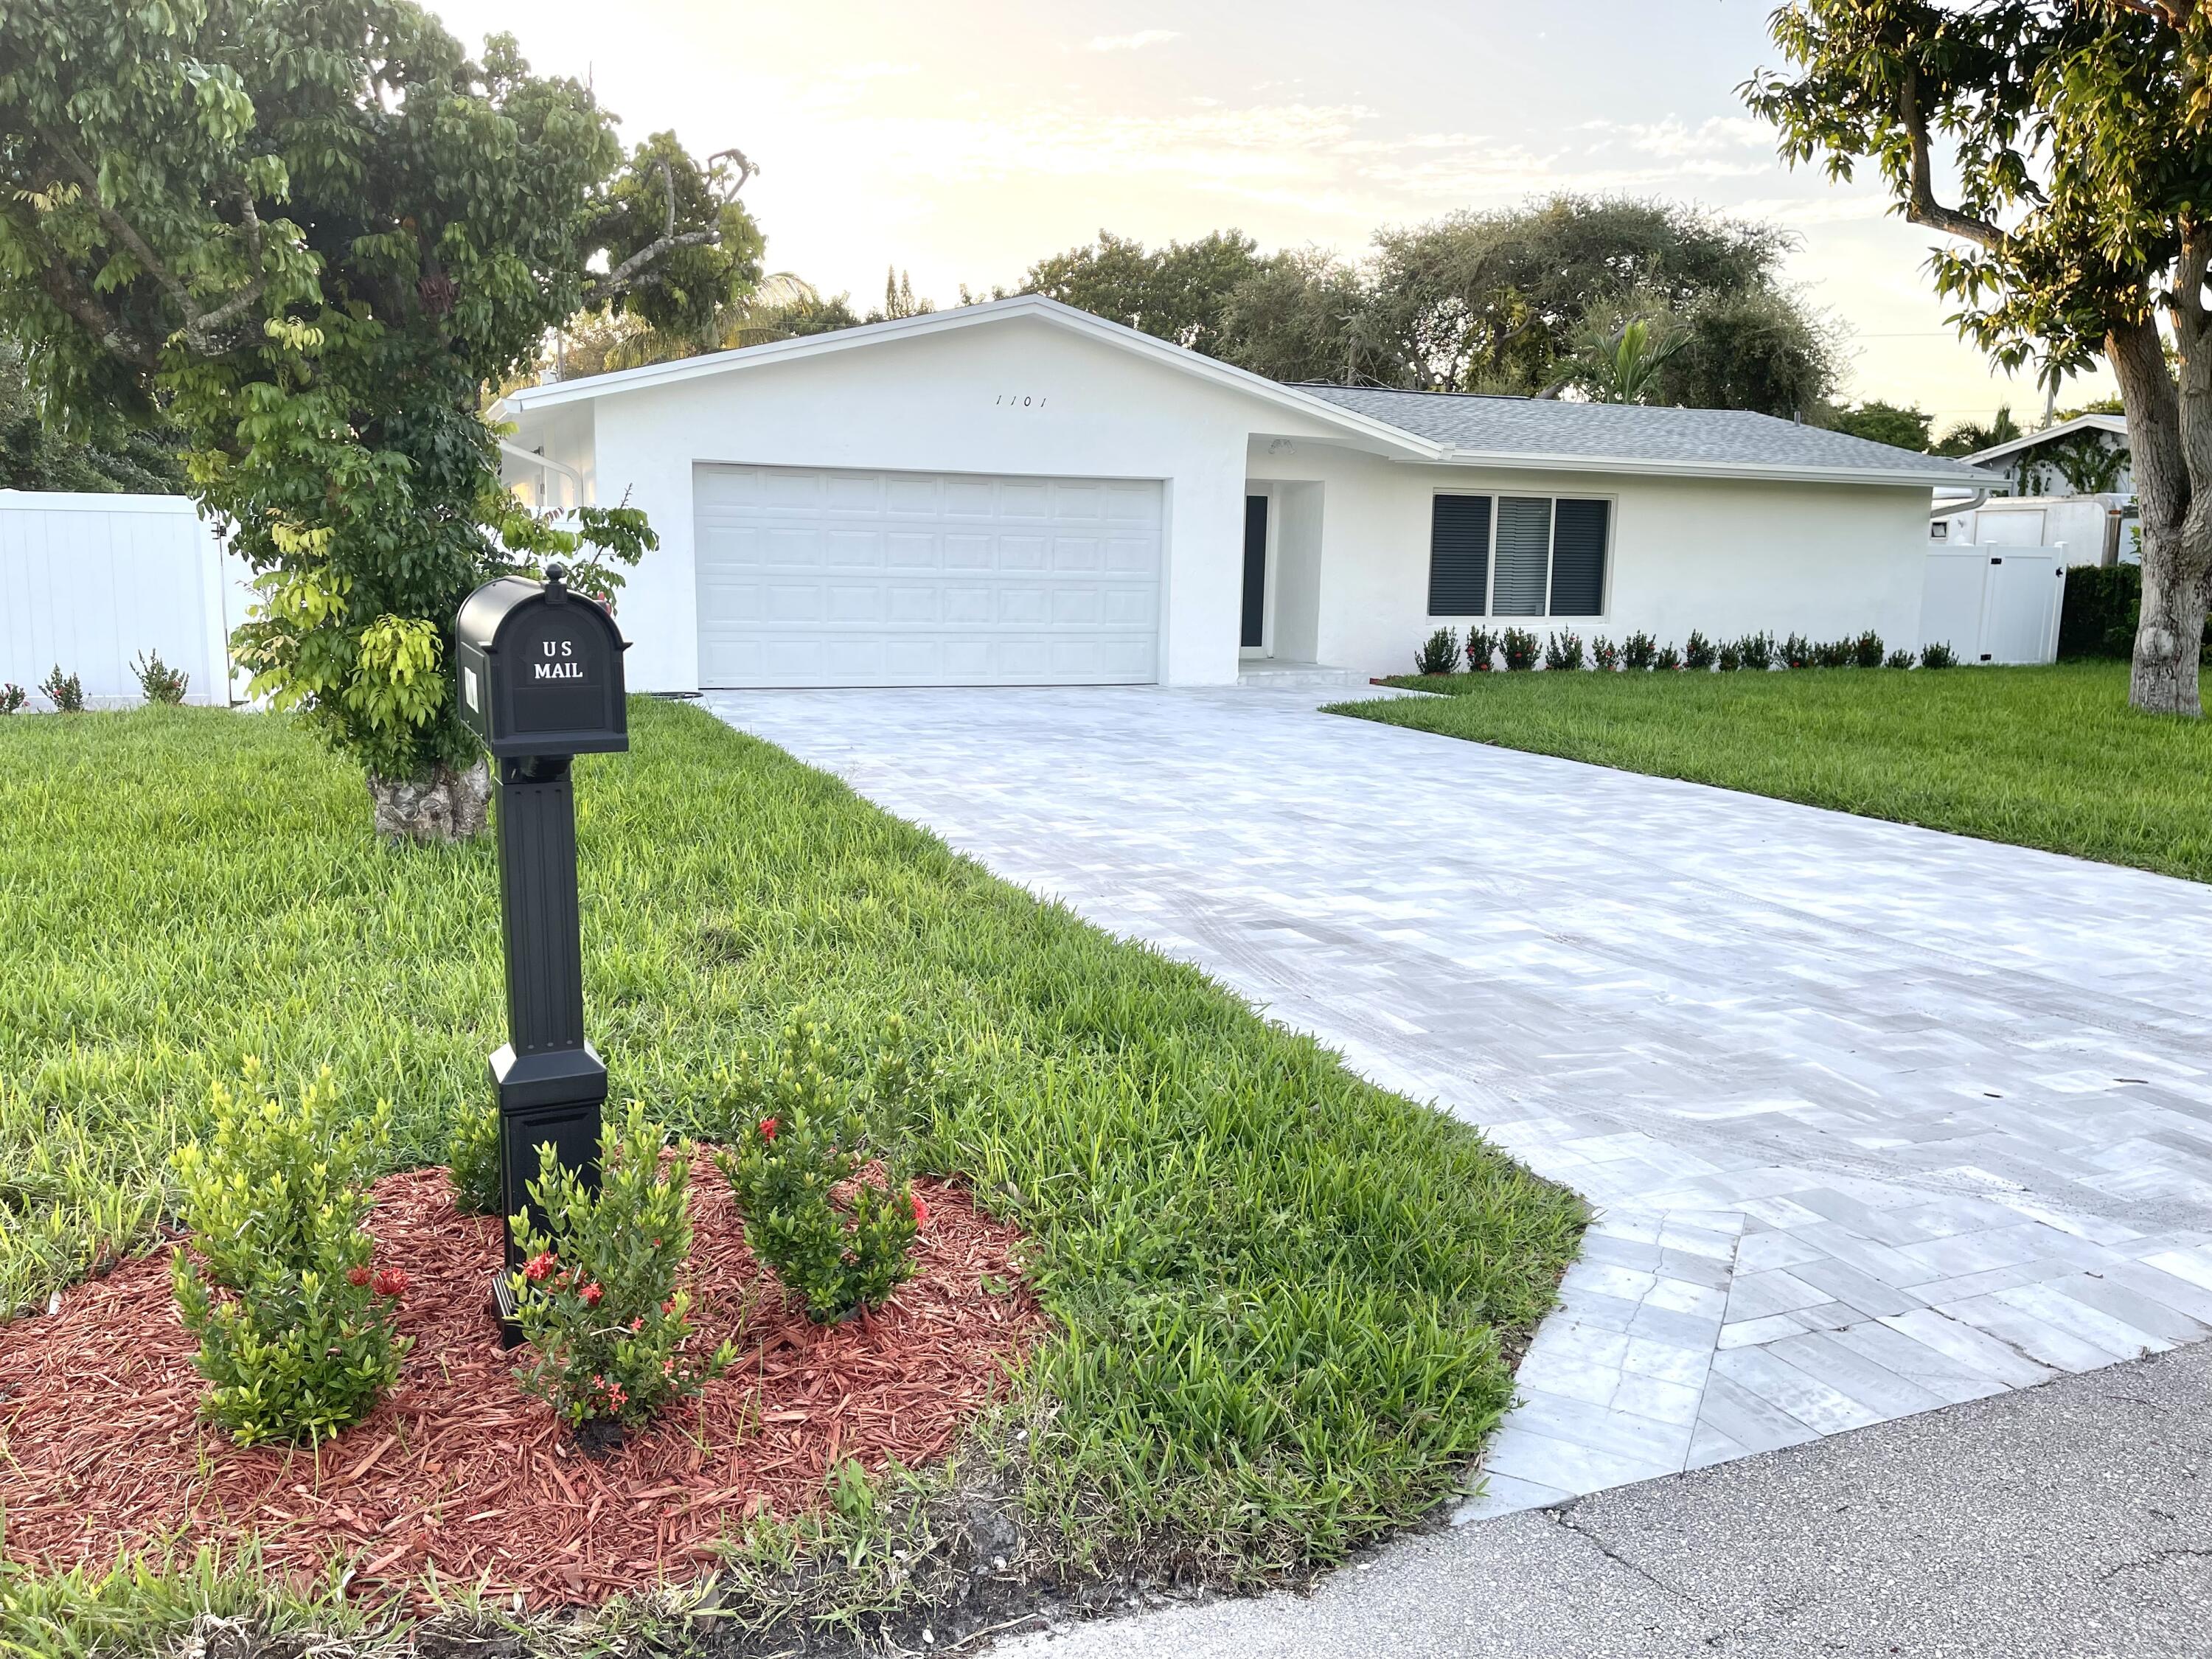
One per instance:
(1021,397)
(87,582)
(1727,557)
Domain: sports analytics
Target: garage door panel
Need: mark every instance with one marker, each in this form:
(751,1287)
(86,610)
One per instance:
(828,577)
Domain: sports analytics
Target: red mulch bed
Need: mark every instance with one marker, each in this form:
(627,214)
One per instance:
(460,1471)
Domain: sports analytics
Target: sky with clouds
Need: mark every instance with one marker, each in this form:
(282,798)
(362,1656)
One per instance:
(962,140)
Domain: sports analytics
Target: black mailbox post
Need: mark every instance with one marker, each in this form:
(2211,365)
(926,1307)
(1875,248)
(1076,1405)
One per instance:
(540,681)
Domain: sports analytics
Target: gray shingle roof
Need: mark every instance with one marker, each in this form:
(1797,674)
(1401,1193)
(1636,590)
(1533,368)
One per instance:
(1720,438)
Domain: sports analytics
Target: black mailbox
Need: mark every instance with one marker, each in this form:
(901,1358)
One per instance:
(539,677)
(541,670)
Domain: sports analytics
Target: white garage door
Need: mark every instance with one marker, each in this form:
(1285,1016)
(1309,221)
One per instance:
(813,577)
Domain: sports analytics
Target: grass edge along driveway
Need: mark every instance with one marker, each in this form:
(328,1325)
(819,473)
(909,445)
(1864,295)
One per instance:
(1285,1299)
(2049,757)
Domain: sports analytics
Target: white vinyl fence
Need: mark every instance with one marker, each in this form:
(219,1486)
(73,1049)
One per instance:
(1994,604)
(89,583)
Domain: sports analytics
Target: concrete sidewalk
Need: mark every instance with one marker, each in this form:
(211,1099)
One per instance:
(2072,1521)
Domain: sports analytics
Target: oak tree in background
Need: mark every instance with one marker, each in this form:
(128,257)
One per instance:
(2080,135)
(309,233)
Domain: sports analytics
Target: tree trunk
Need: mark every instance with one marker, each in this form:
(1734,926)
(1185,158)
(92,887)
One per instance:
(2176,541)
(449,805)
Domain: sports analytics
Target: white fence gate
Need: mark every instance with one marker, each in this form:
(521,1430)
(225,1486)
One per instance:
(1994,604)
(89,583)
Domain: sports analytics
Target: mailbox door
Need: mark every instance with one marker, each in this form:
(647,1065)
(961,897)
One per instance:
(557,672)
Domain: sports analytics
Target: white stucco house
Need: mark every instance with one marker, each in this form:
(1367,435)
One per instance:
(1019,492)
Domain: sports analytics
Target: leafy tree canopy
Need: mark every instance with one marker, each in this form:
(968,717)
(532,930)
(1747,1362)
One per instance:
(1905,425)
(314,230)
(34,456)
(2079,133)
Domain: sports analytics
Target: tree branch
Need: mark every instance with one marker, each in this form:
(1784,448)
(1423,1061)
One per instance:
(199,326)
(612,284)
(63,290)
(1921,206)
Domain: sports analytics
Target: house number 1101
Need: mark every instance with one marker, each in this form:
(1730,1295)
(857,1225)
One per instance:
(1015,400)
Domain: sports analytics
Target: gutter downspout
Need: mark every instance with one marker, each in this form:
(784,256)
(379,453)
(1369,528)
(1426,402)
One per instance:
(1945,509)
(537,459)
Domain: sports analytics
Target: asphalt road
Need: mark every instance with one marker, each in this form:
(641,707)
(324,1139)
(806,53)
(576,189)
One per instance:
(2072,1521)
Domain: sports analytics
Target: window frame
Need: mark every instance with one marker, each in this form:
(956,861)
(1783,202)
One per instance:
(1489,612)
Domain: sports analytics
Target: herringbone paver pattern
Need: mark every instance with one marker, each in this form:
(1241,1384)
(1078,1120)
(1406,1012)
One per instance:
(1874,1119)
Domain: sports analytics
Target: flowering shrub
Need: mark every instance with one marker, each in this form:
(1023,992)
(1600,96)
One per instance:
(598,1300)
(1796,652)
(1668,656)
(12,698)
(1563,650)
(1481,647)
(64,691)
(1731,659)
(1756,651)
(305,1343)
(1700,653)
(158,681)
(1439,654)
(1518,647)
(472,1161)
(1639,650)
(1834,653)
(1866,650)
(797,1139)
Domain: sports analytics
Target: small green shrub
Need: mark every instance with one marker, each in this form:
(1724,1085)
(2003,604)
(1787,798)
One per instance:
(1481,649)
(157,681)
(1756,651)
(1866,650)
(64,691)
(1563,650)
(1939,655)
(1796,652)
(305,1343)
(12,697)
(1518,647)
(2101,612)
(1701,653)
(1833,653)
(1730,658)
(1668,656)
(797,1137)
(1639,650)
(1604,655)
(1439,654)
(599,1300)
(472,1161)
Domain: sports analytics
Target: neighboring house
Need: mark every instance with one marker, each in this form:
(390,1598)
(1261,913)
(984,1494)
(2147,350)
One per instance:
(2069,487)
(1019,492)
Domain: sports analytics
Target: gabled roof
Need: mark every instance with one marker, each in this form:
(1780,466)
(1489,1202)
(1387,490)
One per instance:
(2113,423)
(1445,428)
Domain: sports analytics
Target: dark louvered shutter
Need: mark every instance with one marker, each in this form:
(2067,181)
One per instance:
(1578,539)
(1459,557)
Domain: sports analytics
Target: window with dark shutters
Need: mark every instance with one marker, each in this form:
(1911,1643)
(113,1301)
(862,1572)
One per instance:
(1578,539)
(1459,557)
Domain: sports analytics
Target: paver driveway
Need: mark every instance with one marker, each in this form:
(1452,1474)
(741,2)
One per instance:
(1874,1119)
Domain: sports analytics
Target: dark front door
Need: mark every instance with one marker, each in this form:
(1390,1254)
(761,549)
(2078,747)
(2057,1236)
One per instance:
(1255,572)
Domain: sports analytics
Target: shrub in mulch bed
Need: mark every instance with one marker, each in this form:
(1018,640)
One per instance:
(457,1471)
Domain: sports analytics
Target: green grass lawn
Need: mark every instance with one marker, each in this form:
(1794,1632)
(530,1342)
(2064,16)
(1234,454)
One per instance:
(2050,758)
(1285,1298)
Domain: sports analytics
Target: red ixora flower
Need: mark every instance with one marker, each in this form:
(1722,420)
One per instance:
(357,1276)
(537,1267)
(768,1128)
(921,1211)
(591,1293)
(390,1281)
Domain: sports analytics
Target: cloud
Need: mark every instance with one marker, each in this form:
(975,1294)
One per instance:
(1136,42)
